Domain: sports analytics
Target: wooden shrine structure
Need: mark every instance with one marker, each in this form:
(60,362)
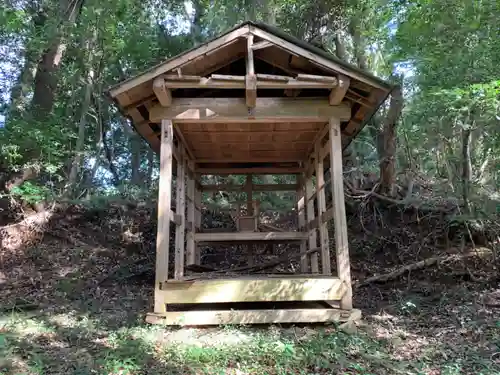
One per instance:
(253,101)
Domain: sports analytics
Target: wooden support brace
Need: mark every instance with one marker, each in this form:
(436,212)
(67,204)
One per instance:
(161,91)
(323,229)
(312,237)
(342,244)
(181,210)
(301,209)
(164,203)
(337,94)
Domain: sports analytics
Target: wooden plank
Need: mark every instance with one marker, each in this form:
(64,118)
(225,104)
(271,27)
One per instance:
(312,237)
(273,77)
(223,77)
(253,289)
(250,236)
(320,60)
(340,221)
(181,210)
(197,218)
(190,244)
(261,170)
(200,110)
(180,60)
(251,90)
(304,260)
(316,78)
(180,78)
(261,45)
(255,187)
(337,94)
(323,228)
(238,82)
(161,91)
(164,209)
(223,317)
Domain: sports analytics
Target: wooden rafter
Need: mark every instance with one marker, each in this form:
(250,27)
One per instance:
(337,94)
(250,78)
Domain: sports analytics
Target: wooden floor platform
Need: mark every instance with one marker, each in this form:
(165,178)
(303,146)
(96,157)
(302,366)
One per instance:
(256,288)
(202,318)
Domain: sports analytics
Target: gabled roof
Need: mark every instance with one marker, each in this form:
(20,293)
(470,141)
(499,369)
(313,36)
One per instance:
(276,52)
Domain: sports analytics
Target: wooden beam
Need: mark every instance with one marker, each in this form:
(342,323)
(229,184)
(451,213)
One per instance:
(337,94)
(323,228)
(197,218)
(162,92)
(262,170)
(250,236)
(190,244)
(340,221)
(254,289)
(301,209)
(273,77)
(255,187)
(164,203)
(172,64)
(181,210)
(186,110)
(261,45)
(218,81)
(312,237)
(316,78)
(250,78)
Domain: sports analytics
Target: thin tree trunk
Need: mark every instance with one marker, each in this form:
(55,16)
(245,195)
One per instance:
(466,167)
(359,46)
(340,50)
(387,163)
(149,176)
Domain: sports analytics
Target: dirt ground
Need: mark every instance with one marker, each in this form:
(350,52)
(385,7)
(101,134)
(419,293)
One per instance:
(74,295)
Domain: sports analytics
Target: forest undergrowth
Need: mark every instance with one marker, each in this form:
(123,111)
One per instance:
(75,293)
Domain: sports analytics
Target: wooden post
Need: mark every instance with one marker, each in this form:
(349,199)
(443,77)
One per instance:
(301,210)
(181,212)
(164,202)
(190,246)
(309,187)
(342,250)
(326,267)
(248,190)
(197,217)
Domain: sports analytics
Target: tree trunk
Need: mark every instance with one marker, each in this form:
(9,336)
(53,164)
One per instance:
(387,162)
(466,167)
(149,176)
(340,50)
(359,46)
(50,61)
(196,27)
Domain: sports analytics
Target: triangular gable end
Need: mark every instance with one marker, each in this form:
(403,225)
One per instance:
(276,54)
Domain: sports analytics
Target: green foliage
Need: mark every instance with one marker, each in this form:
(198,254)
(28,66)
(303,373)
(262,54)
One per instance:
(31,193)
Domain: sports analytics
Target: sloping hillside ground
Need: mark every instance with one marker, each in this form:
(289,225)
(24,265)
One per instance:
(74,294)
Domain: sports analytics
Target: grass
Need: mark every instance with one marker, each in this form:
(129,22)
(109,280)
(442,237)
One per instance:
(70,344)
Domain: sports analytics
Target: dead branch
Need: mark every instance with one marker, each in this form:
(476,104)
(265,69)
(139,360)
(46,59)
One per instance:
(421,265)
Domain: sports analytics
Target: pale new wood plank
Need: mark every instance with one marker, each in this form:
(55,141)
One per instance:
(180,60)
(261,45)
(250,236)
(323,229)
(192,318)
(340,221)
(235,110)
(253,289)
(263,81)
(337,94)
(312,237)
(181,209)
(164,203)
